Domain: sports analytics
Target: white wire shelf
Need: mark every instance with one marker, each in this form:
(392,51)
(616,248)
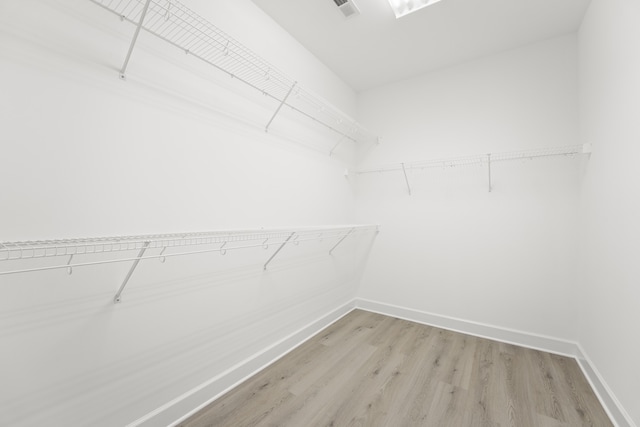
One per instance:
(179,26)
(479,159)
(482,159)
(236,239)
(162,246)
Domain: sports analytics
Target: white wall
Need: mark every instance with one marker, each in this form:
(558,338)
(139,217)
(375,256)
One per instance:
(178,147)
(609,42)
(242,20)
(505,258)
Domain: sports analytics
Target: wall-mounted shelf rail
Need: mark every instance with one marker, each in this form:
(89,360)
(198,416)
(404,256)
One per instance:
(176,24)
(160,247)
(479,159)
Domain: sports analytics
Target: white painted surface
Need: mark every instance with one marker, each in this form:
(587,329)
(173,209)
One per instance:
(181,148)
(505,258)
(178,147)
(192,401)
(375,48)
(609,274)
(253,28)
(89,154)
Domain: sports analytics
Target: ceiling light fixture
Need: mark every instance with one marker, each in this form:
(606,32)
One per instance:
(405,7)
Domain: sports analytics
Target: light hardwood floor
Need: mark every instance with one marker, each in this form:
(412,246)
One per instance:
(373,370)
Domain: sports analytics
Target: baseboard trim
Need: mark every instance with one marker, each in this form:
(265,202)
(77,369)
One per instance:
(189,403)
(482,330)
(618,415)
(610,402)
(182,407)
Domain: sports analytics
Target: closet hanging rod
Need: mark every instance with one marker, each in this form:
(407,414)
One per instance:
(483,159)
(27,250)
(179,26)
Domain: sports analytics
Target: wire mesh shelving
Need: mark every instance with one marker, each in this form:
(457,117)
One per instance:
(479,159)
(162,246)
(183,28)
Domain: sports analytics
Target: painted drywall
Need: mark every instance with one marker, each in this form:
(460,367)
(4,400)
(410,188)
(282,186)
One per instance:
(243,20)
(68,122)
(177,147)
(505,258)
(609,41)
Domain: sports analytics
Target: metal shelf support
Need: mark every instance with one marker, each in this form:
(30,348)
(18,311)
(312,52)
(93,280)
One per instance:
(284,100)
(116,299)
(134,40)
(336,145)
(406,179)
(341,240)
(69,268)
(278,250)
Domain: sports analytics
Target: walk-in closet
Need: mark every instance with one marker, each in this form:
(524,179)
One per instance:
(322,212)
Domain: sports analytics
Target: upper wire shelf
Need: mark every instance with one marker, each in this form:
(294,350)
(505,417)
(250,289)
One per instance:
(176,24)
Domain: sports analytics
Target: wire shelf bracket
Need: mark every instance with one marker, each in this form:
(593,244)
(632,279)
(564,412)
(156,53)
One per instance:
(335,146)
(116,299)
(406,179)
(277,251)
(284,100)
(340,241)
(69,268)
(123,70)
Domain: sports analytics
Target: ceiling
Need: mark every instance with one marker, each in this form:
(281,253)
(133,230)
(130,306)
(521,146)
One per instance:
(375,48)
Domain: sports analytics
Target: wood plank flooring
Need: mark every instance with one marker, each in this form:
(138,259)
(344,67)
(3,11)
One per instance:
(373,370)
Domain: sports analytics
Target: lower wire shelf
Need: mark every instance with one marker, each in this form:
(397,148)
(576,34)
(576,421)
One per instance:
(118,249)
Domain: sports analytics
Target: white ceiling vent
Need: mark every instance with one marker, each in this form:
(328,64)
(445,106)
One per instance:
(348,8)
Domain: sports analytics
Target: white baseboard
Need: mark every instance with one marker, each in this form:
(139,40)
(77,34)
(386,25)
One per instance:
(192,401)
(482,330)
(189,403)
(611,404)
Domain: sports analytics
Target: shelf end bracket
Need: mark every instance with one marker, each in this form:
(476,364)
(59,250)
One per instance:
(336,145)
(116,299)
(406,179)
(266,128)
(341,240)
(278,250)
(123,70)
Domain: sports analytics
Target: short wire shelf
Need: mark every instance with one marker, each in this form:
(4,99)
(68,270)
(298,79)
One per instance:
(479,159)
(482,159)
